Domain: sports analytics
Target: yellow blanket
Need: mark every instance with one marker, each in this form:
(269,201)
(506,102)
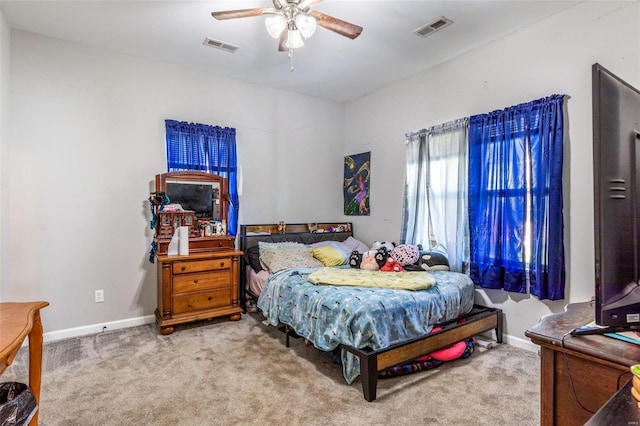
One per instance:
(366,278)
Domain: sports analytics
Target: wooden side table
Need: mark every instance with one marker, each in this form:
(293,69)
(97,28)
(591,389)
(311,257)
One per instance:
(17,321)
(578,374)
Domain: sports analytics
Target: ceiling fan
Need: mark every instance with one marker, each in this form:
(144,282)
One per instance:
(293,21)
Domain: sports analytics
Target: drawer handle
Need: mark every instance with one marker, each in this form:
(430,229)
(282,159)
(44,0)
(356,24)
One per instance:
(195,281)
(184,268)
(210,298)
(221,264)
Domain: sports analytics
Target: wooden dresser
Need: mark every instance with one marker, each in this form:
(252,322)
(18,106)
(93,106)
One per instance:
(199,286)
(578,373)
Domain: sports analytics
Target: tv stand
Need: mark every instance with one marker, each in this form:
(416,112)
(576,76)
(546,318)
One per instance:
(578,373)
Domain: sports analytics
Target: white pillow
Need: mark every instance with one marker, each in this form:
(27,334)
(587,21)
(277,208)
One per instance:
(275,257)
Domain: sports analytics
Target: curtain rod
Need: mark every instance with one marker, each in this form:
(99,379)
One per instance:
(449,124)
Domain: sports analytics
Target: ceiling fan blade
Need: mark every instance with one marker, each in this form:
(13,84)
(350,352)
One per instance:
(239,13)
(336,25)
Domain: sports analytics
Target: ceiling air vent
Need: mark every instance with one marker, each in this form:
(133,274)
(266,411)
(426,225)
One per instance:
(433,26)
(220,45)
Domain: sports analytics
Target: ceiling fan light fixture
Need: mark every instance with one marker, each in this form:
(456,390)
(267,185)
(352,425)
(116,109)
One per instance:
(294,39)
(275,24)
(306,24)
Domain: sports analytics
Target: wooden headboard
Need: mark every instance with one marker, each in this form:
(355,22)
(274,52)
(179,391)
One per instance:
(251,235)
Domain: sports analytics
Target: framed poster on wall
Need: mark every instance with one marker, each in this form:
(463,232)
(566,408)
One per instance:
(357,173)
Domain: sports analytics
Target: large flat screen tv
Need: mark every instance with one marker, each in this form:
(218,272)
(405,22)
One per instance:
(616,162)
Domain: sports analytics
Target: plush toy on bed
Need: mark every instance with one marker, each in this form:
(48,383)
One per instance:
(392,266)
(386,244)
(405,254)
(381,255)
(369,262)
(355,259)
(432,260)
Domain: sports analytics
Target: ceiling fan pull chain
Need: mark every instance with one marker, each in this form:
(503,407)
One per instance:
(291,59)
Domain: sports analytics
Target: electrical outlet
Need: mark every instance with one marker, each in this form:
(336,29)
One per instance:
(99,296)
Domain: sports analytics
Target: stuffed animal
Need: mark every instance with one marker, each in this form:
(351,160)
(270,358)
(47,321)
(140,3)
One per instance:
(381,255)
(405,254)
(379,244)
(391,266)
(430,261)
(355,259)
(369,262)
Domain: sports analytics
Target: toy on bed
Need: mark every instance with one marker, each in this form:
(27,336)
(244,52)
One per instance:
(405,254)
(355,259)
(430,260)
(383,244)
(374,258)
(392,266)
(369,262)
(399,257)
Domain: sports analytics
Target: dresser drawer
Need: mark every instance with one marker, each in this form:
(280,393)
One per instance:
(188,267)
(185,283)
(201,301)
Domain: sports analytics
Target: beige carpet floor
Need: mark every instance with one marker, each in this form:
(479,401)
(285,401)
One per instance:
(240,373)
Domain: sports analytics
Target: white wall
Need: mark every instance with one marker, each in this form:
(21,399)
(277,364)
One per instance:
(5,72)
(553,56)
(87,138)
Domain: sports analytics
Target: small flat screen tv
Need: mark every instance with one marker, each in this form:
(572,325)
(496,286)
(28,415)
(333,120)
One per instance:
(616,165)
(200,197)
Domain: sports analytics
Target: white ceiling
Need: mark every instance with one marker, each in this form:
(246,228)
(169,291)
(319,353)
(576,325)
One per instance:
(328,66)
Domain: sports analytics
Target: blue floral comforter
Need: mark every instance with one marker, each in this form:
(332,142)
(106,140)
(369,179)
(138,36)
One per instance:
(359,316)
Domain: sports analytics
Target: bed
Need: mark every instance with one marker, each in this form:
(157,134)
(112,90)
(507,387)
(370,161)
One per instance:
(375,328)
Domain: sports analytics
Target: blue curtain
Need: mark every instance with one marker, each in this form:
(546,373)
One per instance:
(205,148)
(515,198)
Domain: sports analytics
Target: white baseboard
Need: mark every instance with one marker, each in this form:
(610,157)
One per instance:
(521,343)
(97,328)
(518,342)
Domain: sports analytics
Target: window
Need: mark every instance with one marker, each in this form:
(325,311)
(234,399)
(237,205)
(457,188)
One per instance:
(489,190)
(192,146)
(435,205)
(515,198)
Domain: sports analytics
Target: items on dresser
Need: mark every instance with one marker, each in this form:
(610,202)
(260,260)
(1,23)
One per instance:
(169,222)
(203,200)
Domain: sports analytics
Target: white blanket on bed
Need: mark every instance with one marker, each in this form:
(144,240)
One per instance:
(365,278)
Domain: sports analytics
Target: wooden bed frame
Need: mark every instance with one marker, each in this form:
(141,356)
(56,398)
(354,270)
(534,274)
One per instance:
(479,320)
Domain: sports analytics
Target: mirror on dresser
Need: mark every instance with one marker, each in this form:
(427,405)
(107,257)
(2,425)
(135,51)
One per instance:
(198,200)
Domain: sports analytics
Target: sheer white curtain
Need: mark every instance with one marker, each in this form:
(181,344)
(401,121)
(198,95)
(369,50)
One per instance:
(415,213)
(435,204)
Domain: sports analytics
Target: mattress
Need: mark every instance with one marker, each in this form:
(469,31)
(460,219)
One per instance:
(361,317)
